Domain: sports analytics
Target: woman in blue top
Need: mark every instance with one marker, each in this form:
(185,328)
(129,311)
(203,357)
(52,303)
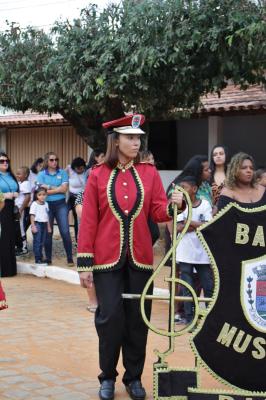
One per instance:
(55,180)
(9,188)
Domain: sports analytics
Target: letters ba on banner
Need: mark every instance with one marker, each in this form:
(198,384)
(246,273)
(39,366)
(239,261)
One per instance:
(231,340)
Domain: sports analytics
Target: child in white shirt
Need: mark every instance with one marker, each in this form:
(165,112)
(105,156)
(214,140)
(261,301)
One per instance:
(39,218)
(190,253)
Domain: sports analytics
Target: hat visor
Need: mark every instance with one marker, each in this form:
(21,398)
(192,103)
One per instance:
(128,130)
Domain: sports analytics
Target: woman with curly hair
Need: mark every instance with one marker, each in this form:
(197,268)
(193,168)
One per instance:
(240,185)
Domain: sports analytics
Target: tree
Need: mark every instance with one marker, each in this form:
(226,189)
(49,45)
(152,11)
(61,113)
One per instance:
(152,56)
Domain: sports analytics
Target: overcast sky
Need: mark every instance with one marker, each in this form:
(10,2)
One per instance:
(41,13)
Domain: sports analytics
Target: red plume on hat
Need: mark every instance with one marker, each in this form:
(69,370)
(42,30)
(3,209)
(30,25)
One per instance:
(130,124)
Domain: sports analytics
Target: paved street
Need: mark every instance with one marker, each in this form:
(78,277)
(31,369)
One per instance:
(49,344)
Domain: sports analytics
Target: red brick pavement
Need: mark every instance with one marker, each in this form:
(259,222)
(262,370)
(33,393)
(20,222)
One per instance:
(49,343)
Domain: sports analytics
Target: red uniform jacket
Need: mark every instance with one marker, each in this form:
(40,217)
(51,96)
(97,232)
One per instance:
(117,204)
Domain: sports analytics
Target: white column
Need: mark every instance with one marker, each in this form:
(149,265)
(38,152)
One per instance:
(3,139)
(215,132)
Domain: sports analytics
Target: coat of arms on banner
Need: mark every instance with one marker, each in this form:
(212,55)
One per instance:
(253,292)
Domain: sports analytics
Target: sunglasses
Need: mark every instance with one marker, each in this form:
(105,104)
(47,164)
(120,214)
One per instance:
(4,161)
(53,159)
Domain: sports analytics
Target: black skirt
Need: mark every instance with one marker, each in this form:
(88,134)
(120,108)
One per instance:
(8,264)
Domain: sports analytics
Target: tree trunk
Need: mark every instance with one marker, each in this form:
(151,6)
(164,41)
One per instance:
(89,127)
(89,130)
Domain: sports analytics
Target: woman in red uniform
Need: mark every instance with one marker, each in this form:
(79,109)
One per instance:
(115,250)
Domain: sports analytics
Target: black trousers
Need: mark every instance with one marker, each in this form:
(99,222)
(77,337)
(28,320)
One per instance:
(119,323)
(8,264)
(71,206)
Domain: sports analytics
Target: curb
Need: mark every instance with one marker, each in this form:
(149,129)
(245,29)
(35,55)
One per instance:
(63,274)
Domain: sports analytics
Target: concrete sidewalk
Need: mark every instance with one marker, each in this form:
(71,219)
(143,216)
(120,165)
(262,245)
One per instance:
(49,346)
(60,271)
(70,275)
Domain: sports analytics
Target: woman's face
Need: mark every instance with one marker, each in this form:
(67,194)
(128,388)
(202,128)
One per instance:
(206,173)
(4,163)
(218,156)
(52,162)
(128,147)
(245,172)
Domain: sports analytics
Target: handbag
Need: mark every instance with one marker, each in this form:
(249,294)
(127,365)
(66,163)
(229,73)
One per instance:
(16,213)
(3,303)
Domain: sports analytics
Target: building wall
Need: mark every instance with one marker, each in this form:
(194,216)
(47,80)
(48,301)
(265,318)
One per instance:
(163,143)
(248,134)
(192,139)
(240,133)
(174,144)
(25,144)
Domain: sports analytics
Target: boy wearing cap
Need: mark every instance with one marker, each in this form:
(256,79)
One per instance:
(115,250)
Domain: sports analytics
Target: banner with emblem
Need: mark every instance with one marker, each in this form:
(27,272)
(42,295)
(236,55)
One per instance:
(230,342)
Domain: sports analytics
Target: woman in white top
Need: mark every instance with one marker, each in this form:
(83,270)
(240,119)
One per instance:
(36,167)
(77,180)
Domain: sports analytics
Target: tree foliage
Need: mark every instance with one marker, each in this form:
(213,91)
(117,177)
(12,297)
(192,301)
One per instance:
(152,56)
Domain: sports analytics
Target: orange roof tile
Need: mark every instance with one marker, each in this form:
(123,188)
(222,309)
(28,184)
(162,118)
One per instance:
(30,118)
(234,99)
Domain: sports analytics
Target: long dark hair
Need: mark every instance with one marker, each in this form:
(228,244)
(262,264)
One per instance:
(111,155)
(3,154)
(193,168)
(38,161)
(212,164)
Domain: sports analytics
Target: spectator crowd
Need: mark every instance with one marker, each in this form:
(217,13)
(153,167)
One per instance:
(38,196)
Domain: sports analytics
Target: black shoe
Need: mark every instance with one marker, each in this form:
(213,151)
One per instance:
(70,263)
(107,390)
(135,390)
(20,252)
